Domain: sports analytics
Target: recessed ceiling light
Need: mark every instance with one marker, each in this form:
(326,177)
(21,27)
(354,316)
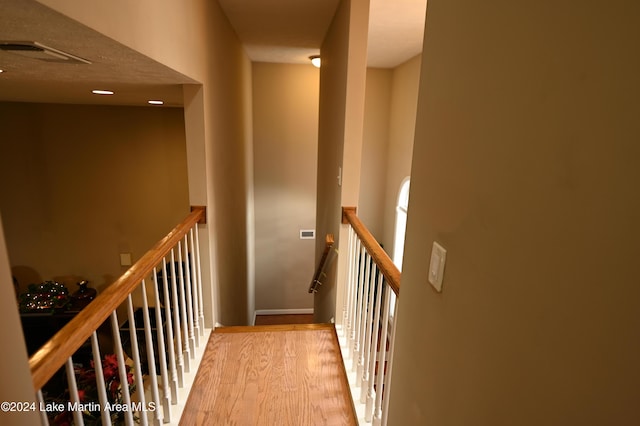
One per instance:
(102,92)
(155,102)
(1,71)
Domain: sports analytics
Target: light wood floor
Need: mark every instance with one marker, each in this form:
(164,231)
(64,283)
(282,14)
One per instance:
(274,375)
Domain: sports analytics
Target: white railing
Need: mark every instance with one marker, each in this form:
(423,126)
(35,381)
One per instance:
(142,377)
(367,331)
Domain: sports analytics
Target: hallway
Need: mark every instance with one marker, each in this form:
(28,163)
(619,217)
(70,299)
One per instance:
(267,375)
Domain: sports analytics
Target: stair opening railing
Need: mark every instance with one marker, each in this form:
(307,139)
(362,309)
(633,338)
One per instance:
(325,259)
(367,330)
(151,369)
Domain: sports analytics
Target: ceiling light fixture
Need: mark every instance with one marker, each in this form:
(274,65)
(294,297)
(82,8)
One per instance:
(155,102)
(35,50)
(102,92)
(315,60)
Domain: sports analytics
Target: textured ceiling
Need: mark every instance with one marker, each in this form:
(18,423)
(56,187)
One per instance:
(113,66)
(286,31)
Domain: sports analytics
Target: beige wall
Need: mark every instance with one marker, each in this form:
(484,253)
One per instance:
(402,122)
(196,39)
(229,157)
(389,125)
(525,168)
(14,368)
(85,183)
(285,126)
(373,172)
(341,118)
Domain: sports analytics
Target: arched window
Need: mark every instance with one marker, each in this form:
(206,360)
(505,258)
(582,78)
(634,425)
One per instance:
(401,223)
(399,232)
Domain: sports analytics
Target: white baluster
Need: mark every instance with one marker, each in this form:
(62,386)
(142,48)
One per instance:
(354,299)
(347,292)
(377,418)
(189,297)
(358,325)
(162,349)
(387,378)
(363,318)
(347,297)
(183,312)
(364,384)
(105,414)
(151,356)
(44,420)
(374,351)
(137,365)
(73,392)
(194,289)
(170,342)
(354,302)
(122,368)
(199,268)
(176,324)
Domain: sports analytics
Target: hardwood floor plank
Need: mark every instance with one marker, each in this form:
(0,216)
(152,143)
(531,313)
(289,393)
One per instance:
(274,375)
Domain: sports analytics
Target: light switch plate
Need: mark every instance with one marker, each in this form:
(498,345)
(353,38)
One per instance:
(125,259)
(436,266)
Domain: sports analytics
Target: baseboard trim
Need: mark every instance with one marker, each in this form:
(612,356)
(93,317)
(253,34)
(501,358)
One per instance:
(283,311)
(280,312)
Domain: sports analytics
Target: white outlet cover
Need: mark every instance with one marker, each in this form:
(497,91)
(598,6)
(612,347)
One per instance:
(436,266)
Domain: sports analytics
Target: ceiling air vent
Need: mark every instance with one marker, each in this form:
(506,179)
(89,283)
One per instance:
(35,50)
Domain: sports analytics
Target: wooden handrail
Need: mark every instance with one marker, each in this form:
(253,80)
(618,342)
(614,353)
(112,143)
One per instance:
(329,241)
(380,257)
(53,354)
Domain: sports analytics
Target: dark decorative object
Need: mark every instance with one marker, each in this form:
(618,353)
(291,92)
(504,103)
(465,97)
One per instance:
(49,296)
(83,296)
(88,394)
